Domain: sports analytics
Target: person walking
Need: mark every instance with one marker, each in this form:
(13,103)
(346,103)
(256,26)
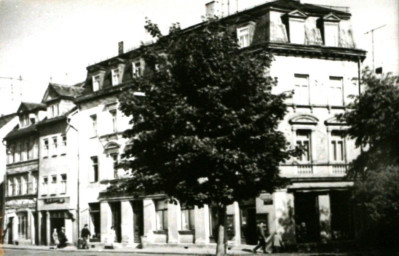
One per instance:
(85,234)
(111,238)
(62,238)
(261,236)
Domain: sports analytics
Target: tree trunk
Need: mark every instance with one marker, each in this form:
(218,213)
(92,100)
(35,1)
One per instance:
(221,231)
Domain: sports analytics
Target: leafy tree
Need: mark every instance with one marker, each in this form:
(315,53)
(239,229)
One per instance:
(373,119)
(206,130)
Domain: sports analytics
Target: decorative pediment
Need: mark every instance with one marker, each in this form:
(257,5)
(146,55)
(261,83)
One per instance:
(297,14)
(111,147)
(334,121)
(304,119)
(331,17)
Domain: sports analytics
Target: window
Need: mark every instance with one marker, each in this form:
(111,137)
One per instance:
(10,154)
(115,76)
(23,151)
(63,184)
(63,144)
(94,161)
(297,31)
(53,187)
(301,96)
(96,83)
(114,157)
(337,146)
(161,208)
(54,110)
(24,186)
(25,121)
(45,186)
(45,148)
(34,185)
(243,36)
(17,152)
(55,146)
(10,187)
(16,186)
(187,218)
(94,124)
(303,141)
(35,149)
(331,34)
(28,149)
(114,120)
(137,68)
(22,225)
(335,94)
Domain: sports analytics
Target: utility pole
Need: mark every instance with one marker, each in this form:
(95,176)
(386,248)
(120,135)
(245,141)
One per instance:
(372,42)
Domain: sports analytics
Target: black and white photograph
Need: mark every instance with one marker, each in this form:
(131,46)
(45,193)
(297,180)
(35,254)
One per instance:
(199,127)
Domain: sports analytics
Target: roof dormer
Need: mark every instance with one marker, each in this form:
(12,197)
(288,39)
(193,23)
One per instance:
(330,29)
(28,113)
(117,67)
(97,75)
(295,22)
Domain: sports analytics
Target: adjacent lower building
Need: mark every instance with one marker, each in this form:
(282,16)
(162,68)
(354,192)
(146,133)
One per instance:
(22,170)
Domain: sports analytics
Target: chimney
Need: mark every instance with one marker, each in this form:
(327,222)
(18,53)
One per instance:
(120,48)
(212,9)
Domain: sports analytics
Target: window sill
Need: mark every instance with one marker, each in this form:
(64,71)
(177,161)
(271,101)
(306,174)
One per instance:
(186,232)
(160,232)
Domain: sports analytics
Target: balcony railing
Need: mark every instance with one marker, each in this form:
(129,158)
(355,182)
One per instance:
(339,168)
(305,169)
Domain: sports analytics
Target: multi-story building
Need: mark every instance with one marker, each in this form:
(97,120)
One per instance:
(58,165)
(315,56)
(7,123)
(20,219)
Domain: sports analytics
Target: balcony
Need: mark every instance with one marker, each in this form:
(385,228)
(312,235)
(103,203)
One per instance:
(314,170)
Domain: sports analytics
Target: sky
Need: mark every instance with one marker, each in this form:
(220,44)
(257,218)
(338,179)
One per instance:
(55,40)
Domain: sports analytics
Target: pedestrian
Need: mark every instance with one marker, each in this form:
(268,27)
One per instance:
(261,236)
(85,234)
(278,243)
(62,238)
(55,237)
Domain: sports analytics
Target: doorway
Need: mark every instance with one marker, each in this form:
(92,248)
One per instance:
(248,225)
(138,220)
(10,228)
(57,221)
(116,220)
(307,217)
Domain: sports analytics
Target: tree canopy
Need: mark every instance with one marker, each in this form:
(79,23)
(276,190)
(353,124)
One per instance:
(373,119)
(206,130)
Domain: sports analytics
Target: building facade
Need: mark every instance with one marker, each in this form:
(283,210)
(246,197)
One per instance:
(22,170)
(58,165)
(7,123)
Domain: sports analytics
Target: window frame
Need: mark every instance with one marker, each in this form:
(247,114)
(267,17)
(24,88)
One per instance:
(95,169)
(96,80)
(161,223)
(190,220)
(296,100)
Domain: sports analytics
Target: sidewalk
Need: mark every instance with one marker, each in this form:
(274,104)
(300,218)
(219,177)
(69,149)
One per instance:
(234,251)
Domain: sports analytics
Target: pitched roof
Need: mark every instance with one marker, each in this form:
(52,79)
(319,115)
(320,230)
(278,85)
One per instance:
(29,106)
(66,90)
(15,133)
(5,119)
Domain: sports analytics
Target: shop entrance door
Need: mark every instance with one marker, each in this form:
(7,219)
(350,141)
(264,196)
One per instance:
(56,222)
(248,225)
(138,220)
(307,217)
(116,220)
(10,228)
